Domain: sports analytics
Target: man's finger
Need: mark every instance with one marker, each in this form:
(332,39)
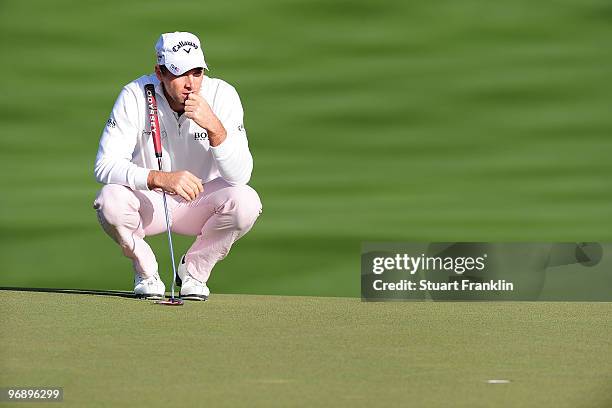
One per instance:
(200,187)
(197,182)
(190,193)
(196,190)
(182,193)
(188,188)
(193,177)
(197,99)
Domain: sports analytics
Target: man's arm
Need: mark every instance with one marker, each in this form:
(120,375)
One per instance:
(113,162)
(226,133)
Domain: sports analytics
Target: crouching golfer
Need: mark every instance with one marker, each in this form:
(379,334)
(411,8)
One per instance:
(207,164)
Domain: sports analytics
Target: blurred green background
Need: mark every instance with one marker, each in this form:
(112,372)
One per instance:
(449,120)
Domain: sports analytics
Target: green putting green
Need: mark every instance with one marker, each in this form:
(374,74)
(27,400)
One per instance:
(243,350)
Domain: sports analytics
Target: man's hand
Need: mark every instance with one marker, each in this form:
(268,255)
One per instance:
(182,183)
(198,110)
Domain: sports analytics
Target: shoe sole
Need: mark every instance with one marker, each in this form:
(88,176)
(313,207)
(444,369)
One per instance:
(194,297)
(149,296)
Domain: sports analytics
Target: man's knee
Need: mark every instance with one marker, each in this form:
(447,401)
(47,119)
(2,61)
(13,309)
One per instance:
(118,205)
(245,207)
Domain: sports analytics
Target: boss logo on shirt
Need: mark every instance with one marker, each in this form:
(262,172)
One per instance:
(111,123)
(198,136)
(241,127)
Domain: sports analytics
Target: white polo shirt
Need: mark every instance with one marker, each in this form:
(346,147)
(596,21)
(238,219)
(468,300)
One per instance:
(126,155)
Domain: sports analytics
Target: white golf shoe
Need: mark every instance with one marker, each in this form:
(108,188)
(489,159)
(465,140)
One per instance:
(191,288)
(149,288)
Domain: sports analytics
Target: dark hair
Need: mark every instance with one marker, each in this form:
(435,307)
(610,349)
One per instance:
(165,71)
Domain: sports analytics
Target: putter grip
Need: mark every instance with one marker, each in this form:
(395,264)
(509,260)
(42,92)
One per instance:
(153,119)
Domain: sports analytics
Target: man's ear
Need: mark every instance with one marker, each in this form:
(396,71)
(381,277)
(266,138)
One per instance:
(158,73)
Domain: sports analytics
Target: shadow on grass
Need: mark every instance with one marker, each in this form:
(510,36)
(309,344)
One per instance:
(117,293)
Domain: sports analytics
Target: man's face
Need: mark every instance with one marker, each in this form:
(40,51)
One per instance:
(179,87)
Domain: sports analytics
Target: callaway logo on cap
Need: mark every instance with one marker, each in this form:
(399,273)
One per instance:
(180,52)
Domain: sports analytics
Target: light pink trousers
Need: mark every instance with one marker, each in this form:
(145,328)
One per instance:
(218,217)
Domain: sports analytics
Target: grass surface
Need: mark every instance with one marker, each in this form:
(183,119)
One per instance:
(368,120)
(239,350)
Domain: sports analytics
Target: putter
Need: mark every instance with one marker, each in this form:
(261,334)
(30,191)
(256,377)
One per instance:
(155,135)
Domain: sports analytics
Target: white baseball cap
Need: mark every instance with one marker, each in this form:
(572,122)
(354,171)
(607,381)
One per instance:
(179,52)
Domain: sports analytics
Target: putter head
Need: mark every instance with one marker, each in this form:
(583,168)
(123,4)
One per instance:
(170,302)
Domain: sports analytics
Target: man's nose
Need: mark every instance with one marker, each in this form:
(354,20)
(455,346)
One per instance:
(189,82)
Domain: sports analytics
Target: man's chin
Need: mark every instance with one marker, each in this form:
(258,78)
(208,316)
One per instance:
(178,103)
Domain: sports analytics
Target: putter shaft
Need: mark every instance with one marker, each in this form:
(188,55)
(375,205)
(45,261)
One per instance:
(159,162)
